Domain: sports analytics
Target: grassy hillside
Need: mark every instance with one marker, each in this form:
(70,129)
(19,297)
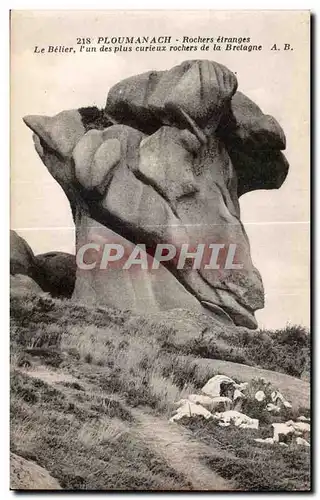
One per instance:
(88,384)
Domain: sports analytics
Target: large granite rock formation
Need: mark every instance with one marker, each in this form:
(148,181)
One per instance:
(165,162)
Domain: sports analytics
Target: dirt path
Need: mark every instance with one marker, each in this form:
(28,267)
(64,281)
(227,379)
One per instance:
(175,443)
(47,375)
(180,450)
(172,441)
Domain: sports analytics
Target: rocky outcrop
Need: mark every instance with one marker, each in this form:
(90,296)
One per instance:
(58,273)
(23,284)
(27,475)
(53,272)
(165,163)
(22,260)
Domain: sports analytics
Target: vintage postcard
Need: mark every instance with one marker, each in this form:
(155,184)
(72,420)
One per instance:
(159,260)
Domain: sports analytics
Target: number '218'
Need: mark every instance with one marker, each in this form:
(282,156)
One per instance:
(83,41)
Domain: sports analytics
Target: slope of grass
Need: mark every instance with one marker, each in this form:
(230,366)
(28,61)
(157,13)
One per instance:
(104,362)
(286,350)
(83,445)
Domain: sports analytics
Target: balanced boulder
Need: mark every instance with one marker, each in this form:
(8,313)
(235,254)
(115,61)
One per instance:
(164,164)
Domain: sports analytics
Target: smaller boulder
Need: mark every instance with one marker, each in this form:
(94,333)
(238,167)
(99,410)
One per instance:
(20,284)
(218,386)
(57,273)
(27,475)
(302,418)
(268,440)
(22,260)
(282,432)
(278,399)
(238,395)
(302,442)
(238,399)
(219,403)
(243,386)
(273,408)
(189,409)
(238,419)
(299,426)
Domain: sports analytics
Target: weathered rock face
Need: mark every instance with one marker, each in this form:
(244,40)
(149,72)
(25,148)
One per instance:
(166,162)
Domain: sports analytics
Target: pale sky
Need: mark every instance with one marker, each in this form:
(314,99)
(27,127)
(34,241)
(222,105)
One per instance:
(277,221)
